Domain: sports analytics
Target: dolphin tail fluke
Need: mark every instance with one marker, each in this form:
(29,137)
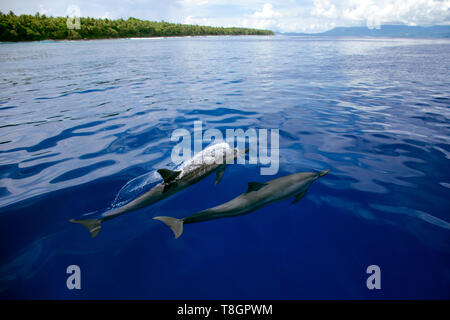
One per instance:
(324,172)
(173,223)
(93,225)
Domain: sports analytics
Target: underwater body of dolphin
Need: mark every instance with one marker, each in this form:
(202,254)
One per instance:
(257,196)
(212,159)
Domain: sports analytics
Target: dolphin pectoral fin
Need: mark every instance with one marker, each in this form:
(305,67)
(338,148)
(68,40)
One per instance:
(253,186)
(299,197)
(93,225)
(219,174)
(176,225)
(168,175)
(167,186)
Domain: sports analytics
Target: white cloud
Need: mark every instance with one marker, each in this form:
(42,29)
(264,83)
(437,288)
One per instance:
(194,2)
(266,18)
(375,13)
(324,8)
(199,21)
(267,13)
(292,18)
(278,15)
(43,10)
(73,11)
(106,15)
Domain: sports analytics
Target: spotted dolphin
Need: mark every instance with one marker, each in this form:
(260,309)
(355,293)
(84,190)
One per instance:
(212,159)
(257,196)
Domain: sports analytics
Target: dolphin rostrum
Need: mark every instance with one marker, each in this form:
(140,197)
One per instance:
(212,159)
(257,196)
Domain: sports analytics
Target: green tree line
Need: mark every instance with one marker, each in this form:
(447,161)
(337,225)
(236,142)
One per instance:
(40,27)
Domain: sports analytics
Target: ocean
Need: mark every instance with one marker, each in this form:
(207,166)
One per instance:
(79,120)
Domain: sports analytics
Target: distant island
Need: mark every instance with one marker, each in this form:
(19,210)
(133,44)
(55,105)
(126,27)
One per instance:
(40,27)
(391,31)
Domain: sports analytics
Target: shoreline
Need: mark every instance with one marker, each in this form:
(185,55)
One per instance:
(144,38)
(318,37)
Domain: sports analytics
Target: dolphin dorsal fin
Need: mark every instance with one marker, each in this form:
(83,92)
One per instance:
(253,186)
(168,175)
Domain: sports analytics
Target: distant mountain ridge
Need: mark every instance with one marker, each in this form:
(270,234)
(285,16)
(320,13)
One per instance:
(395,31)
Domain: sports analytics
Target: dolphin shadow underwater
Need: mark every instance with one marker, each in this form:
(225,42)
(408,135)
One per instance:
(212,159)
(257,195)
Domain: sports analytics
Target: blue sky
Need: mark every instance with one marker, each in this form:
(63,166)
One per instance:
(277,15)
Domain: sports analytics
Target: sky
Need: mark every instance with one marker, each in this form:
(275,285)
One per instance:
(277,15)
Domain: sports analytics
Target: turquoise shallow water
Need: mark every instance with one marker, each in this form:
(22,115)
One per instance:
(78,120)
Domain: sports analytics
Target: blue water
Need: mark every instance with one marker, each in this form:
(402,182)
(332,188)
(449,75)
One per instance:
(78,120)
